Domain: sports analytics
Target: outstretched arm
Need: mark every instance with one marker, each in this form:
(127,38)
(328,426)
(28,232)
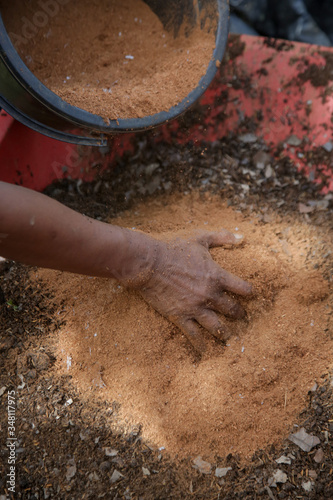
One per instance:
(39,231)
(178,278)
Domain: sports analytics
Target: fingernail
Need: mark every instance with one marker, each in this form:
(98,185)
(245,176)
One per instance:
(238,237)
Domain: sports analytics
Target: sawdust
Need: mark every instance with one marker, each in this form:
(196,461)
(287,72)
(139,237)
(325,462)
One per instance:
(239,397)
(113,59)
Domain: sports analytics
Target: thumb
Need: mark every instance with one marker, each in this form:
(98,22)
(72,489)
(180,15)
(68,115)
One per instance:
(211,239)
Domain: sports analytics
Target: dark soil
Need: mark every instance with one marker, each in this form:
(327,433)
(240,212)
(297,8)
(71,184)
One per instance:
(319,75)
(280,45)
(61,445)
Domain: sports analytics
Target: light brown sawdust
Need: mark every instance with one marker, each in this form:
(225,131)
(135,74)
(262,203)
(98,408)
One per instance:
(111,58)
(238,398)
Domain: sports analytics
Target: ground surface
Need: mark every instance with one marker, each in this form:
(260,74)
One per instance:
(70,446)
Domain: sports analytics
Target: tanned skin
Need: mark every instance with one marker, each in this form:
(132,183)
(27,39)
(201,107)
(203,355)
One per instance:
(178,278)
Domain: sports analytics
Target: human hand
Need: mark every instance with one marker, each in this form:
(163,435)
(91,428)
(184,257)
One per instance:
(186,286)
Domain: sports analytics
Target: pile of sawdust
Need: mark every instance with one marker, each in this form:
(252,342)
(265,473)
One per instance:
(239,397)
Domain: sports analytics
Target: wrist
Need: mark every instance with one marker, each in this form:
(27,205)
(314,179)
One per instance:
(137,256)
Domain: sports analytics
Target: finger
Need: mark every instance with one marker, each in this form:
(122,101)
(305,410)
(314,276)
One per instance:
(192,331)
(229,307)
(209,320)
(233,284)
(211,239)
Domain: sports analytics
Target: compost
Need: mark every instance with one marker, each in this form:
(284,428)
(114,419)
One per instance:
(232,400)
(112,399)
(113,59)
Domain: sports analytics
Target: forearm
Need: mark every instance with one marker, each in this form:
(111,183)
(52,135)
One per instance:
(37,230)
